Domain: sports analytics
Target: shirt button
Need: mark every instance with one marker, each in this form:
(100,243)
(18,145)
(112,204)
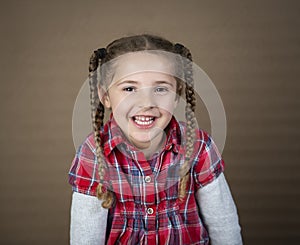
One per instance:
(150,211)
(147,179)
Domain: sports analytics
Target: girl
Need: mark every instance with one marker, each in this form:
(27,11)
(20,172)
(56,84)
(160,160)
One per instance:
(158,181)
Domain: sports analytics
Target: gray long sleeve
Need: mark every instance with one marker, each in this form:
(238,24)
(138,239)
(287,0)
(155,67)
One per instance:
(219,213)
(88,220)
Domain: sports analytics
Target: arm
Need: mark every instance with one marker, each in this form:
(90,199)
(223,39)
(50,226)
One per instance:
(88,220)
(219,213)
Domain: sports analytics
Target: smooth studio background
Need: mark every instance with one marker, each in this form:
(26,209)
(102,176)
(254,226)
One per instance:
(250,50)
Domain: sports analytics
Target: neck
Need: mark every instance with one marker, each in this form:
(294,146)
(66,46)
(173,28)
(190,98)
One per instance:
(154,146)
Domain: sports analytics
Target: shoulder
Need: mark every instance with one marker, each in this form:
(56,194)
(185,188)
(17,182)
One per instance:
(88,146)
(87,149)
(208,163)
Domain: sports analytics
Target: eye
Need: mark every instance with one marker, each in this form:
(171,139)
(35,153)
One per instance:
(129,89)
(161,90)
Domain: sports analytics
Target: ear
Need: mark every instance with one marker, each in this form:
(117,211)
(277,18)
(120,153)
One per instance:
(104,98)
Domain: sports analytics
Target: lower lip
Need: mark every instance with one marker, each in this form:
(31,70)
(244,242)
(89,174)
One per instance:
(143,126)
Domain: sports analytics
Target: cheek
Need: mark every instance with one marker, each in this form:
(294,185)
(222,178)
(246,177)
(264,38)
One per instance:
(125,102)
(122,105)
(167,103)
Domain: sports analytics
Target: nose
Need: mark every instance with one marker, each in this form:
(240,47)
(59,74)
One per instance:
(146,98)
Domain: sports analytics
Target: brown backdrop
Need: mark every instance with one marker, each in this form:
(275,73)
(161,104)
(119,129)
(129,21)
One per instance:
(251,51)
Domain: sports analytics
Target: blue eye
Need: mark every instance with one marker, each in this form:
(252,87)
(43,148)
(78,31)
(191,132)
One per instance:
(161,90)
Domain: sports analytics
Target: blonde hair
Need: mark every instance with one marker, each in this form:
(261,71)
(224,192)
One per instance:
(134,44)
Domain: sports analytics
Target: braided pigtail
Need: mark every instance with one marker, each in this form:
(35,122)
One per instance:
(97,122)
(189,114)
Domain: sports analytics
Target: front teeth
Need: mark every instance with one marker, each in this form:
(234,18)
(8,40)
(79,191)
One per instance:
(142,120)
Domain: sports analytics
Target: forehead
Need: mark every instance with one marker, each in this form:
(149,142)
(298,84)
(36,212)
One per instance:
(143,63)
(148,78)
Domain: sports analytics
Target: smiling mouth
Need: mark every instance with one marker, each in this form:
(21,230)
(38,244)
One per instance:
(143,120)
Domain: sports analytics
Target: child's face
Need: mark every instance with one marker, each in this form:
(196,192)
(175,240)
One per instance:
(143,103)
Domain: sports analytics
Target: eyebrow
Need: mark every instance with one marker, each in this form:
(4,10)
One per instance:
(127,81)
(165,82)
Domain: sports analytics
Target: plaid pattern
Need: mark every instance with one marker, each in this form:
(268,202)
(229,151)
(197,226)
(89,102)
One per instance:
(147,210)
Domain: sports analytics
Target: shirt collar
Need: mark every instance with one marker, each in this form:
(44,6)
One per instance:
(113,137)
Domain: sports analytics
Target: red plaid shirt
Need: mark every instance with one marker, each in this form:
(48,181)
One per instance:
(147,210)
